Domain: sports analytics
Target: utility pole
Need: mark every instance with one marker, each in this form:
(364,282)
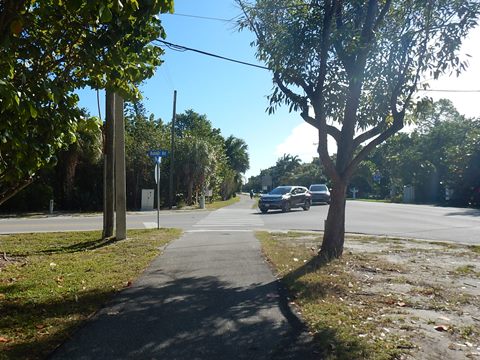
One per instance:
(120,184)
(172,151)
(109,166)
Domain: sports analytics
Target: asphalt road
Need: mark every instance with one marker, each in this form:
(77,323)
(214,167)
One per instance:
(399,220)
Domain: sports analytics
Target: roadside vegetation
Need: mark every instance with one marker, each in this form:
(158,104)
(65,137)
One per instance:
(384,298)
(215,205)
(406,159)
(204,159)
(52,282)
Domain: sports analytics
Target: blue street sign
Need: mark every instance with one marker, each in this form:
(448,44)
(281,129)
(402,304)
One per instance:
(377,176)
(157,153)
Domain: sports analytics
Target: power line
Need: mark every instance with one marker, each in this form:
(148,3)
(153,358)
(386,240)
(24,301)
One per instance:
(184,48)
(204,17)
(450,91)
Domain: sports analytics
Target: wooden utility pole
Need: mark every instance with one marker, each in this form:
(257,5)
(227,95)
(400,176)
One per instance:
(109,166)
(120,184)
(172,151)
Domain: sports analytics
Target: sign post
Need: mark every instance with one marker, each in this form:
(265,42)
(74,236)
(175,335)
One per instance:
(157,155)
(159,162)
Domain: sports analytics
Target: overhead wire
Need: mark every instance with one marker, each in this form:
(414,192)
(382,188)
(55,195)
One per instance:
(204,17)
(451,91)
(182,48)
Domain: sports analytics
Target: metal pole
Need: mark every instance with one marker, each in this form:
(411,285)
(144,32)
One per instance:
(172,151)
(158,191)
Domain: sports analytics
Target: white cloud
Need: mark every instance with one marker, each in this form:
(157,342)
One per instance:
(465,102)
(302,142)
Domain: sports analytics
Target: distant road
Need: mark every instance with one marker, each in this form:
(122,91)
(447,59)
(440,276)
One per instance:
(400,220)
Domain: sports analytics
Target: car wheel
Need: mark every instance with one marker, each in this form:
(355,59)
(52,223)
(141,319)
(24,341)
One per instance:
(263,210)
(306,205)
(286,206)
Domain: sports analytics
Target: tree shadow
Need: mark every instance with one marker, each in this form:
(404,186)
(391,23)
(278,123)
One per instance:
(312,265)
(72,248)
(277,212)
(169,316)
(83,246)
(191,318)
(466,212)
(330,342)
(34,315)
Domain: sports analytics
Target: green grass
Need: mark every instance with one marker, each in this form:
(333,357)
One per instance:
(52,282)
(475,248)
(465,270)
(219,204)
(330,300)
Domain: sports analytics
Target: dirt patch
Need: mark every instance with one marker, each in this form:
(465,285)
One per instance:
(437,296)
(424,294)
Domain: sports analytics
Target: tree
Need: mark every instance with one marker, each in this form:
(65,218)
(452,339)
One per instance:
(87,148)
(355,64)
(438,158)
(50,48)
(195,162)
(237,154)
(284,169)
(142,133)
(236,151)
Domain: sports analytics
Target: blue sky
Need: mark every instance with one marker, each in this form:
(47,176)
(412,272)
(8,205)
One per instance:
(234,96)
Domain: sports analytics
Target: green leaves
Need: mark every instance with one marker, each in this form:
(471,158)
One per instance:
(50,48)
(105,14)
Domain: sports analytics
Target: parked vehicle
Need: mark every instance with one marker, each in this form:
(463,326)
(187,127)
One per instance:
(285,198)
(320,193)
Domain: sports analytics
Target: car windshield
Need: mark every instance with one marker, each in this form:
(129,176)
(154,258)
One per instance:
(318,188)
(280,190)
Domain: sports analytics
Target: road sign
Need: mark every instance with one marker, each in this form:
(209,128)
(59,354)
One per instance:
(157,153)
(377,176)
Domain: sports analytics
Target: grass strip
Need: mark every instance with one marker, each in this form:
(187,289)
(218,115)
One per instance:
(220,204)
(344,322)
(52,282)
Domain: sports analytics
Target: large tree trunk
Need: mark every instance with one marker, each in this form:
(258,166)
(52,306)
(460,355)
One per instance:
(334,235)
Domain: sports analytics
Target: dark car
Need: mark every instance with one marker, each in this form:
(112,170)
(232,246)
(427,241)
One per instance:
(320,193)
(285,198)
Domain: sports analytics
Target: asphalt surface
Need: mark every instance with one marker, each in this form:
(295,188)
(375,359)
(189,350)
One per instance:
(428,222)
(210,295)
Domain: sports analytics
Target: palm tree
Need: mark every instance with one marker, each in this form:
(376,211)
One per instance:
(285,166)
(237,154)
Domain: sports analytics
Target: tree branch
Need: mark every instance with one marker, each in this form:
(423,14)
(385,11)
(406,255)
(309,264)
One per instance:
(347,60)
(382,14)
(368,134)
(393,129)
(299,100)
(12,191)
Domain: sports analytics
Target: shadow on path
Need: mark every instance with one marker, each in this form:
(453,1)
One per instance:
(191,318)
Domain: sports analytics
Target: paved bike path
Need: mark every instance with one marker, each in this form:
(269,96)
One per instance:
(210,295)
